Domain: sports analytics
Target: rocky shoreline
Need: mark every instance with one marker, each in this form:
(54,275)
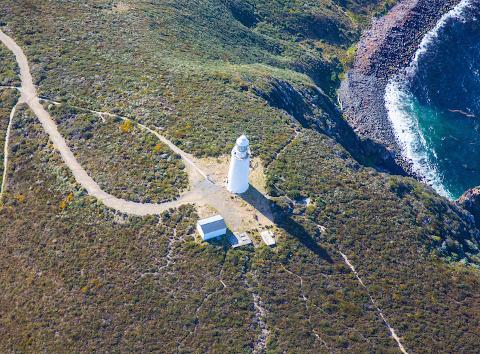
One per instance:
(384,51)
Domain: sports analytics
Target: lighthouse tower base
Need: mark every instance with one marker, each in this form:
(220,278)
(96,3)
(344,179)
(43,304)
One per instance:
(238,175)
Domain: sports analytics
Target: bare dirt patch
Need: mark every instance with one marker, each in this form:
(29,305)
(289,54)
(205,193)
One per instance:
(121,7)
(251,210)
(217,168)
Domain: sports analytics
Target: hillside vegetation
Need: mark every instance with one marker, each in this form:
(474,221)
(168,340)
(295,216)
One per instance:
(123,159)
(8,74)
(84,278)
(396,231)
(8,99)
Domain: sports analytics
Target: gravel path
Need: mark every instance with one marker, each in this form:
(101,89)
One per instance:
(29,96)
(5,148)
(382,316)
(203,191)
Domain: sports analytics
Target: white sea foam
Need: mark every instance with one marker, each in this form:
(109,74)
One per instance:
(399,105)
(413,145)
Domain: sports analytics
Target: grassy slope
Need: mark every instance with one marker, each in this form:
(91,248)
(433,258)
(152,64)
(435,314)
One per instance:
(84,278)
(8,73)
(180,64)
(8,99)
(388,232)
(89,279)
(191,67)
(123,159)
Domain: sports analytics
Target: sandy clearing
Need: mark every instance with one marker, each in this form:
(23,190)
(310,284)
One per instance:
(239,214)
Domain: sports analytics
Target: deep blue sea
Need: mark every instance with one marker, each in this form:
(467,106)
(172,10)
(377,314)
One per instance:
(435,108)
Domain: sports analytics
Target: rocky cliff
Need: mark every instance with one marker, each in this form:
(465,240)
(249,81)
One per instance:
(383,52)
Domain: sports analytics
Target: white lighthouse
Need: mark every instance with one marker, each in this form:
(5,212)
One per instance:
(239,166)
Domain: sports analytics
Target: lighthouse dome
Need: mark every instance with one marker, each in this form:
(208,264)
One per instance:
(242,144)
(243,141)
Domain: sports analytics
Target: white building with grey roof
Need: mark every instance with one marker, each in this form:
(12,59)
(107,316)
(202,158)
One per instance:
(211,227)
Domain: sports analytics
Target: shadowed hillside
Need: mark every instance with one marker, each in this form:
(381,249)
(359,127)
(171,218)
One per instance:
(85,278)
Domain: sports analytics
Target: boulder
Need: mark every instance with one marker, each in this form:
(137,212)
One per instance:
(470,201)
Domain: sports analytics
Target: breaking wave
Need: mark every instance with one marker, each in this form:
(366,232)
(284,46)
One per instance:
(413,145)
(400,105)
(457,14)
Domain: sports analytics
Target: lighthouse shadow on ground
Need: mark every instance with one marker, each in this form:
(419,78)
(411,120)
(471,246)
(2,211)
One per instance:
(280,218)
(258,201)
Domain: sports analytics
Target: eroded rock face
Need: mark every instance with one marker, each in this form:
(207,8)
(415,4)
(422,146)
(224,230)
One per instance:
(470,201)
(244,12)
(312,108)
(383,52)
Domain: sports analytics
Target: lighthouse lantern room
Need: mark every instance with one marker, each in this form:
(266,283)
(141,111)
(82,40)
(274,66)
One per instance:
(239,166)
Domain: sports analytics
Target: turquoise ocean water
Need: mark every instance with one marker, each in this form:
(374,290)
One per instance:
(435,108)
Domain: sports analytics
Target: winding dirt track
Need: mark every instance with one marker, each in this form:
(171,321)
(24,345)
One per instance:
(5,152)
(203,191)
(29,96)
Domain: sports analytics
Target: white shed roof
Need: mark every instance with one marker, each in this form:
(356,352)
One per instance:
(268,238)
(211,224)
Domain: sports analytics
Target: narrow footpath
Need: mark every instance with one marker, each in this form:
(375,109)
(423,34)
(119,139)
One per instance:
(202,190)
(6,150)
(379,311)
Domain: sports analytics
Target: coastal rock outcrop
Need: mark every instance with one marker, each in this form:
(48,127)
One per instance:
(312,108)
(383,52)
(470,201)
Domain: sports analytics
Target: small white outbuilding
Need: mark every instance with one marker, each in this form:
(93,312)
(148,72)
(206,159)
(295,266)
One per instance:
(211,227)
(268,238)
(239,239)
